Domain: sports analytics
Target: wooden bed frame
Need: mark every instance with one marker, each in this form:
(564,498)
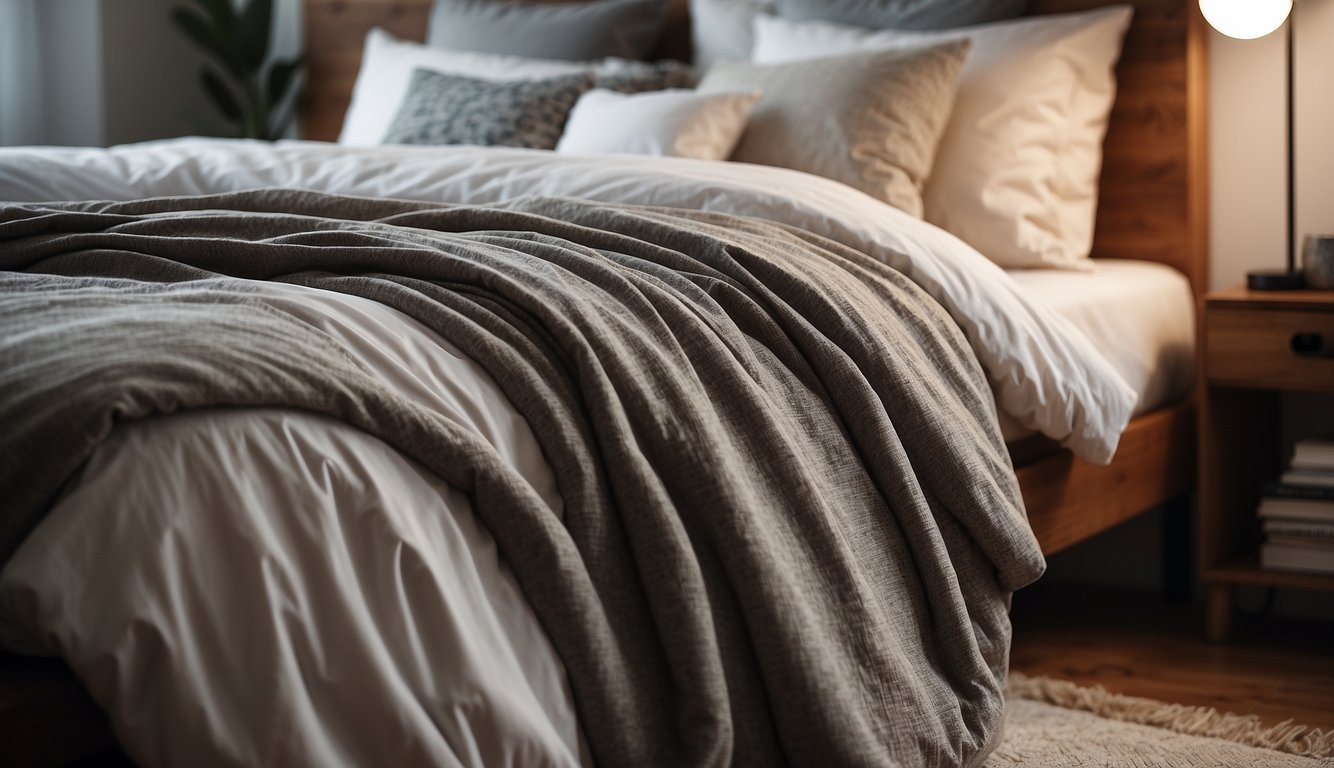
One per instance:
(1152,206)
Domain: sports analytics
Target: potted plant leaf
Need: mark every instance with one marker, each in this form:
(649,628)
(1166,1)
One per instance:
(249,90)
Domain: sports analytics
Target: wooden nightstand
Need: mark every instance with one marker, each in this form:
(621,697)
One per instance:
(1253,345)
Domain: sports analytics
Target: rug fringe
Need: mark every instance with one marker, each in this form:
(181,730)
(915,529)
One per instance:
(1287,736)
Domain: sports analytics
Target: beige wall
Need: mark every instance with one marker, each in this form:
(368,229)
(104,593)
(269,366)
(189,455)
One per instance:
(122,73)
(1315,116)
(152,72)
(1247,125)
(150,75)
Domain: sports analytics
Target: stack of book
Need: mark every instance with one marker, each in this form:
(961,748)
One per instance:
(1298,512)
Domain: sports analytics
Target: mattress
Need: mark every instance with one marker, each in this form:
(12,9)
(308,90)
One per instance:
(1139,315)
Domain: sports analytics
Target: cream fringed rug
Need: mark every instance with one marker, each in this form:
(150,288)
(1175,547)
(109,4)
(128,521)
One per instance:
(1052,723)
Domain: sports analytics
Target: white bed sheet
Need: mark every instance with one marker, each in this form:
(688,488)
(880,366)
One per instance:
(1139,315)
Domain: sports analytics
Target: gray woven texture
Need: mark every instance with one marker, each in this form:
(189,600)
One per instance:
(790,525)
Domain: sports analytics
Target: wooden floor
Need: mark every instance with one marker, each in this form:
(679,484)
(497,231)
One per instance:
(1136,644)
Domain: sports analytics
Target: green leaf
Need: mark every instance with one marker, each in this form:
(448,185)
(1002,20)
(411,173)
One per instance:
(222,96)
(253,29)
(222,15)
(281,78)
(205,36)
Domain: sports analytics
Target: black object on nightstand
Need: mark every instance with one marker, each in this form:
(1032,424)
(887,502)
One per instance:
(1276,279)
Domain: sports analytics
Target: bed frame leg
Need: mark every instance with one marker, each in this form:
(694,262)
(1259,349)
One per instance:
(1177,550)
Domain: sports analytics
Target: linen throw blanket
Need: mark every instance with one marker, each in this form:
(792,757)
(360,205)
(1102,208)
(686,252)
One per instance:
(790,526)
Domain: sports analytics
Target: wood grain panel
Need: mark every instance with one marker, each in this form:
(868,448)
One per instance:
(335,31)
(1252,348)
(1069,499)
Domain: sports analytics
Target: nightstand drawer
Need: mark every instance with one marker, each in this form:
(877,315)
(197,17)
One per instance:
(1270,348)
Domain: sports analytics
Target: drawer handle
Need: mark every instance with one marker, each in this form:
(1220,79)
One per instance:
(1309,344)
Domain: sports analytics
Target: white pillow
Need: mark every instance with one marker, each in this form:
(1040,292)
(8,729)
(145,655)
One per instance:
(671,123)
(1016,174)
(720,30)
(386,69)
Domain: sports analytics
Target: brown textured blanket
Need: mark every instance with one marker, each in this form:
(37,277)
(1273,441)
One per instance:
(791,527)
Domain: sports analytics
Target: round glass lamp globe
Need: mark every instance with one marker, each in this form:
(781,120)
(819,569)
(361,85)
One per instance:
(1245,19)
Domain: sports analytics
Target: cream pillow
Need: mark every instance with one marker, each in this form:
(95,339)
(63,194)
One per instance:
(871,120)
(671,123)
(1017,172)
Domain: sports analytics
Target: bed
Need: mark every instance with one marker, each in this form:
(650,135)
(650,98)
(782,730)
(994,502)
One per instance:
(530,668)
(1152,206)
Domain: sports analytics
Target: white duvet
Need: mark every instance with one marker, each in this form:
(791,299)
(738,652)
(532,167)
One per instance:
(374,574)
(1046,374)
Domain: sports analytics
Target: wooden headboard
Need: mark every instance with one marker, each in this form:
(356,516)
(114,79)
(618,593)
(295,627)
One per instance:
(1154,187)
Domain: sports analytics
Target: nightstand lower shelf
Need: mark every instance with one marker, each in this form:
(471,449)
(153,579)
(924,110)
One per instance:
(1245,570)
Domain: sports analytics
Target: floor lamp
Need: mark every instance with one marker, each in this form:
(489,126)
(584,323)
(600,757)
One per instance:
(1247,20)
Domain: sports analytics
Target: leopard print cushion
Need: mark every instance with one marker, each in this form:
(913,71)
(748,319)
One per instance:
(446,109)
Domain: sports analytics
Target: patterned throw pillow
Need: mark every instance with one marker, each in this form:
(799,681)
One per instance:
(444,109)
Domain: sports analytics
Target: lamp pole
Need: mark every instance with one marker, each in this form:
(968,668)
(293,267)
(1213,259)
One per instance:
(1292,153)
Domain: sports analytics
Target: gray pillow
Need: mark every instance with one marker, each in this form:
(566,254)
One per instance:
(869,120)
(445,109)
(902,14)
(574,31)
(641,76)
